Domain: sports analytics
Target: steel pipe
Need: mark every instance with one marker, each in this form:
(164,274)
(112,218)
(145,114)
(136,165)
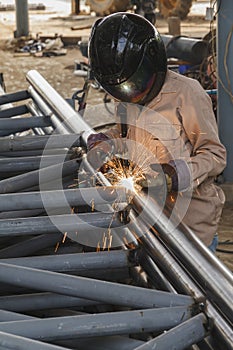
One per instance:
(24,181)
(26,143)
(10,341)
(104,324)
(61,198)
(13,111)
(59,128)
(180,279)
(72,120)
(193,254)
(180,337)
(73,262)
(23,123)
(6,316)
(14,97)
(96,223)
(30,246)
(24,164)
(83,287)
(42,301)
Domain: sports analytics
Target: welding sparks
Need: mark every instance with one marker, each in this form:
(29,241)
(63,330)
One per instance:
(127,176)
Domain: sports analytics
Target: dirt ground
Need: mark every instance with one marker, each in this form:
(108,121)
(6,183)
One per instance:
(59,72)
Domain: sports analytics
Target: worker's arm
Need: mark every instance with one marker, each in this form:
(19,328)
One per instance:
(208,157)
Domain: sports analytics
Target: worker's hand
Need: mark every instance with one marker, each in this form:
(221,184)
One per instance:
(95,140)
(99,148)
(177,174)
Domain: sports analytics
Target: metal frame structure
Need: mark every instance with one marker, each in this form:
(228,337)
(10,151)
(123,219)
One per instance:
(157,291)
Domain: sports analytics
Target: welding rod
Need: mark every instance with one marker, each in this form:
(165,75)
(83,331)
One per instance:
(82,287)
(102,324)
(182,336)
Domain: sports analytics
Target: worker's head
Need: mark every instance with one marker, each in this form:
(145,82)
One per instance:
(127,57)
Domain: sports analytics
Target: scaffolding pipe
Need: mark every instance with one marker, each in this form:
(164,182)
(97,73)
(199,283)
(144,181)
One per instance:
(83,287)
(103,324)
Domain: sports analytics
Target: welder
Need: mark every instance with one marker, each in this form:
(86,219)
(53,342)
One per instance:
(170,119)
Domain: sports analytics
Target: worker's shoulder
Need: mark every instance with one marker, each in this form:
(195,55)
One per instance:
(181,82)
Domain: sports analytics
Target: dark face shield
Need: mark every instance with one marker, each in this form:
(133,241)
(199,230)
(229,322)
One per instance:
(137,87)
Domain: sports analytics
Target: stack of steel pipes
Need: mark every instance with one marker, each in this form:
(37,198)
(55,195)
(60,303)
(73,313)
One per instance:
(65,287)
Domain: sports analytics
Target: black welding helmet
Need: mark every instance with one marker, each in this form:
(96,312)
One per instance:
(127,57)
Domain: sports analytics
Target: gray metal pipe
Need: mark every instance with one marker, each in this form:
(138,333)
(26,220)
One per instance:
(82,287)
(42,301)
(33,178)
(13,342)
(72,120)
(24,164)
(62,198)
(192,253)
(13,111)
(30,246)
(191,50)
(96,223)
(74,262)
(103,324)
(180,279)
(26,143)
(180,337)
(114,342)
(13,97)
(22,19)
(23,123)
(59,128)
(6,316)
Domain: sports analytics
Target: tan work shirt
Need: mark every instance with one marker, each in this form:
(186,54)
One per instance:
(179,123)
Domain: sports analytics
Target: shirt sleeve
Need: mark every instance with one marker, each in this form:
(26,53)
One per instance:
(208,157)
